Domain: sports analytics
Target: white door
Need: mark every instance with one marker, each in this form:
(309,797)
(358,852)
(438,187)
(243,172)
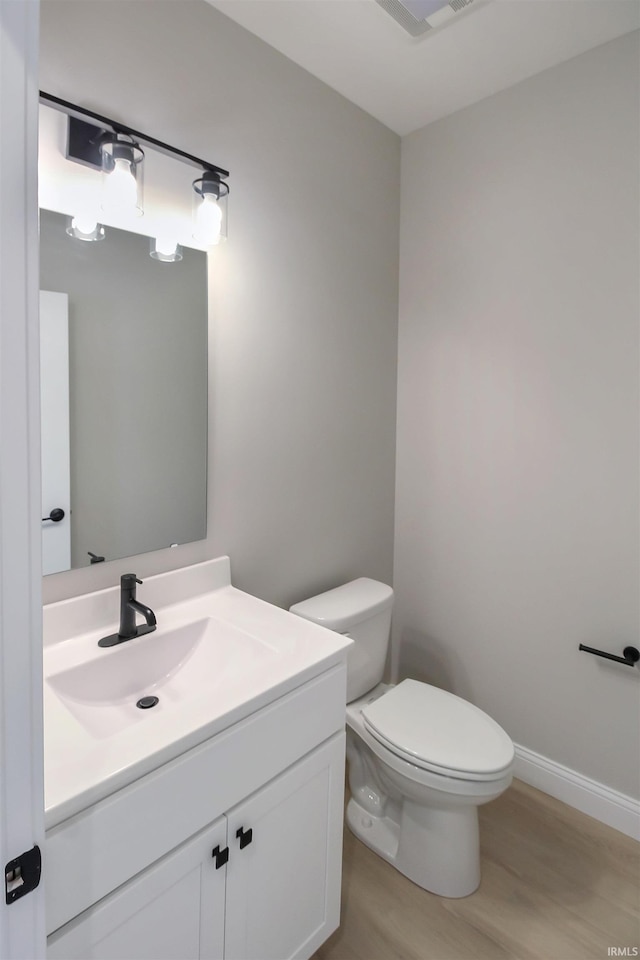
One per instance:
(21,770)
(284,870)
(174,910)
(54,431)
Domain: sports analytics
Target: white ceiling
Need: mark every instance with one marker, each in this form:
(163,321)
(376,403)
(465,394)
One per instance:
(358,49)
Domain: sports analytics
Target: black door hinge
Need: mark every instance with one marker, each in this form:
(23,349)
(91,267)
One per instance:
(22,875)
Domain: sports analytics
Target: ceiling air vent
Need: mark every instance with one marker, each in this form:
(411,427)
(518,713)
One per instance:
(419,16)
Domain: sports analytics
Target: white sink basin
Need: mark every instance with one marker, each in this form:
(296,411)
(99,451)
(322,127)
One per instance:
(174,665)
(217,656)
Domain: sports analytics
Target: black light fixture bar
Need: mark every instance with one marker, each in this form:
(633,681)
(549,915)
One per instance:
(73,110)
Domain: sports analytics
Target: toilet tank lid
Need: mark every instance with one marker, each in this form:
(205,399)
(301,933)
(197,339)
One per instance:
(341,608)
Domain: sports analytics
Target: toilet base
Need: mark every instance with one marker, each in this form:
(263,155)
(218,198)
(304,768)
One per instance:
(438,849)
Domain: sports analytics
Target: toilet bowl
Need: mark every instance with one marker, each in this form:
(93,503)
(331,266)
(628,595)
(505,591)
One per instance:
(420,815)
(420,760)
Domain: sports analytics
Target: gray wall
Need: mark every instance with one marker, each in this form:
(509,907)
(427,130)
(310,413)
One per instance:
(517,481)
(137,390)
(303,298)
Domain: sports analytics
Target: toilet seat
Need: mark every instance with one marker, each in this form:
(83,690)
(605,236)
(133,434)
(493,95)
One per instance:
(438,732)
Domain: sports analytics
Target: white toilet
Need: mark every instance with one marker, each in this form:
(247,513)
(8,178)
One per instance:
(421,761)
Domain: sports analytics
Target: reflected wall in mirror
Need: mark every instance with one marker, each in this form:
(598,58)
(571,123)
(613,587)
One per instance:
(137,394)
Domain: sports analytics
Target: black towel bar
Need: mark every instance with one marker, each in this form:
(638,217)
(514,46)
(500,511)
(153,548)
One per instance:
(630,655)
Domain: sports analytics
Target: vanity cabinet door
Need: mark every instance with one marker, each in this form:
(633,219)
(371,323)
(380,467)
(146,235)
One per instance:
(284,870)
(174,910)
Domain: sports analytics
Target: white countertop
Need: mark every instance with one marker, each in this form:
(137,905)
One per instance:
(85,763)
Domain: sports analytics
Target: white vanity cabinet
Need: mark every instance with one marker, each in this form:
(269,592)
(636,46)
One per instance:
(230,852)
(174,910)
(283,887)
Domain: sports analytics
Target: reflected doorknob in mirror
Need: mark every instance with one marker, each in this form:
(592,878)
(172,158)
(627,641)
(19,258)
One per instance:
(57,514)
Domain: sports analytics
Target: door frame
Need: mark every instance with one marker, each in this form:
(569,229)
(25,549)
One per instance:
(22,926)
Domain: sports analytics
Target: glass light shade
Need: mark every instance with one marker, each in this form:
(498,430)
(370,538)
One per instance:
(208,221)
(122,176)
(165,249)
(85,228)
(209,210)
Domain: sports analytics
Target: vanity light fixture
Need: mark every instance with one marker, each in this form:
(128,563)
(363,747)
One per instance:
(121,174)
(209,209)
(110,146)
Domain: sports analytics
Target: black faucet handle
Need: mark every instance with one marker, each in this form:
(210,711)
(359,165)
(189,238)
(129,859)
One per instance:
(129,606)
(128,580)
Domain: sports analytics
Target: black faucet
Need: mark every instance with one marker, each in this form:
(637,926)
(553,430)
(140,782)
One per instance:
(128,607)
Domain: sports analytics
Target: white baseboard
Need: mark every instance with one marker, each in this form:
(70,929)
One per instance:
(615,809)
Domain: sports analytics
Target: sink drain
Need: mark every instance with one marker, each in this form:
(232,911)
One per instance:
(144,703)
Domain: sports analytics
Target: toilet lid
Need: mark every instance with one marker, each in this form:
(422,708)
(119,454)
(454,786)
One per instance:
(438,731)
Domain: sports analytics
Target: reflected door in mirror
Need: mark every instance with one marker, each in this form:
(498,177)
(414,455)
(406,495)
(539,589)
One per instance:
(54,431)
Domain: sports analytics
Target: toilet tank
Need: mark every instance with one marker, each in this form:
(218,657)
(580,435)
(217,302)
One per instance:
(361,610)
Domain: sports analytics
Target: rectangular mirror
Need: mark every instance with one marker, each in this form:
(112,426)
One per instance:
(124,396)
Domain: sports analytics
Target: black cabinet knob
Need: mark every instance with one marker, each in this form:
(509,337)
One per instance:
(245,837)
(220,856)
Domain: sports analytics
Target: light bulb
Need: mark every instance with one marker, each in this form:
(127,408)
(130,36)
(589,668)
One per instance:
(166,246)
(121,190)
(208,221)
(84,223)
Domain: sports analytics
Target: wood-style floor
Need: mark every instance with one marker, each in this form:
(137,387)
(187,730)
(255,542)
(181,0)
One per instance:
(556,885)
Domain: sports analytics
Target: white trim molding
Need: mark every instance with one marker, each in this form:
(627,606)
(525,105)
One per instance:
(22,923)
(595,799)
